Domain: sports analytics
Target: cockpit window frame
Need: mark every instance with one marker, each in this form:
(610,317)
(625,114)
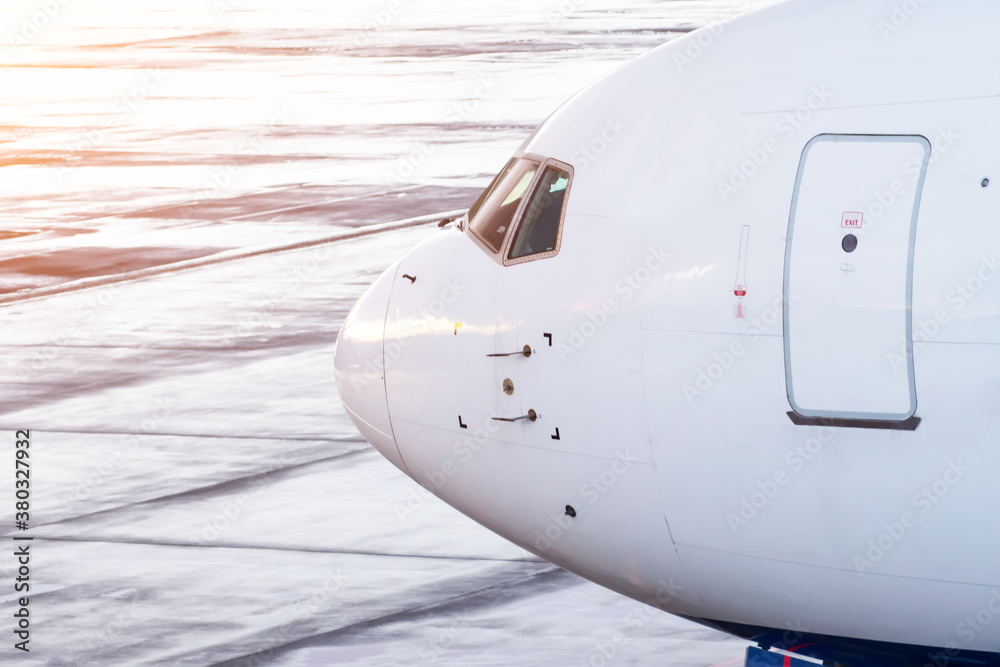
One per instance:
(509,241)
(516,216)
(474,209)
(501,256)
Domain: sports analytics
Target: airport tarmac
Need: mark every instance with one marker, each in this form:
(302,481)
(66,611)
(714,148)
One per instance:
(203,498)
(172,285)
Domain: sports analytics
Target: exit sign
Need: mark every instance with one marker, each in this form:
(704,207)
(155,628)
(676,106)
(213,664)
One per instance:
(852,220)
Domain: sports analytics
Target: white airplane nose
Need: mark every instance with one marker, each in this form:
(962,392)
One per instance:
(359,367)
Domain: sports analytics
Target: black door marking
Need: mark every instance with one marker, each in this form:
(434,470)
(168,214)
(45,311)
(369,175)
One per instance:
(556,436)
(910,424)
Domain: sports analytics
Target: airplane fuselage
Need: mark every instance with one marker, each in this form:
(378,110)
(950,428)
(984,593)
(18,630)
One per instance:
(764,348)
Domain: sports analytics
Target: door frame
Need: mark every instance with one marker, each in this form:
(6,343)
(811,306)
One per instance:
(801,416)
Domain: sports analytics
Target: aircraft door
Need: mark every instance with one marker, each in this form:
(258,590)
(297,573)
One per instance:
(849,276)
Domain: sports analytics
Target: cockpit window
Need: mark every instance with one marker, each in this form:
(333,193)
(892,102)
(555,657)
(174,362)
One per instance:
(493,218)
(540,226)
(486,193)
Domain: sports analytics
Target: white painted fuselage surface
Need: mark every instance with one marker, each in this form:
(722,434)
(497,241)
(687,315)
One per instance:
(812,448)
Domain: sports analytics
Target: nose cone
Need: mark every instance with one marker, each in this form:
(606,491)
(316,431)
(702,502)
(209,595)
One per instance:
(359,367)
